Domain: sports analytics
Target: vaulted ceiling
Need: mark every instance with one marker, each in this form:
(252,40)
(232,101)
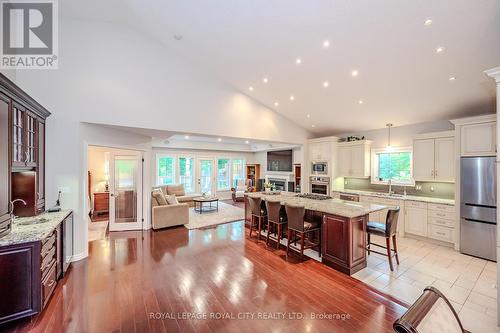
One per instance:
(416,61)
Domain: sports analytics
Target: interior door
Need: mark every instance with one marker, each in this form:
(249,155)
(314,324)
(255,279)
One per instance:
(423,160)
(206,179)
(125,204)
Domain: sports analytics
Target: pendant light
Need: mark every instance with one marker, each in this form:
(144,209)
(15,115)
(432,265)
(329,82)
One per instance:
(388,147)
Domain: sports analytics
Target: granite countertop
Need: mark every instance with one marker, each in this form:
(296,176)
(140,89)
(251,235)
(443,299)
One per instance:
(338,207)
(400,197)
(33,232)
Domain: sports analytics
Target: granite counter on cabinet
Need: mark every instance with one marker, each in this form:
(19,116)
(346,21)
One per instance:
(25,232)
(384,195)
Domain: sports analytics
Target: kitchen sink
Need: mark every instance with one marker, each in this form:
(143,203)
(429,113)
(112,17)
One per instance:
(34,221)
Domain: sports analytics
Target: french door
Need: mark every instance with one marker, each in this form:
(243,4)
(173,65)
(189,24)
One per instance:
(206,178)
(125,204)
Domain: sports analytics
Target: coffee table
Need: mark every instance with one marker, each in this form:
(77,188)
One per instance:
(200,204)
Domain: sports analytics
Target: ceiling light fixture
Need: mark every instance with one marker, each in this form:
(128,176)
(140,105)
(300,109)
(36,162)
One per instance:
(247,142)
(186,137)
(313,126)
(292,98)
(440,49)
(326,84)
(354,73)
(276,104)
(177,37)
(428,22)
(219,139)
(308,116)
(452,78)
(250,88)
(388,147)
(298,61)
(360,101)
(326,44)
(265,80)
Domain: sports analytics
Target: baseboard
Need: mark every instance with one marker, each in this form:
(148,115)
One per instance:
(77,257)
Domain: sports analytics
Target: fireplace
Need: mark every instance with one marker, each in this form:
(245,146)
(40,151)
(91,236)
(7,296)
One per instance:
(279,184)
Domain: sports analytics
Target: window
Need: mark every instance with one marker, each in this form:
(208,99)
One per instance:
(238,169)
(223,174)
(165,170)
(186,173)
(394,165)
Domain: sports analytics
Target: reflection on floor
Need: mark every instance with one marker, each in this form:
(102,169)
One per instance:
(97,230)
(468,282)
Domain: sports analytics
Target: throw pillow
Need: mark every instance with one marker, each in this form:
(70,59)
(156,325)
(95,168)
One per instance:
(171,199)
(160,198)
(178,190)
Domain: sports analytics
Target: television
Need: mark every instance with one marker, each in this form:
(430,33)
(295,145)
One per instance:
(279,160)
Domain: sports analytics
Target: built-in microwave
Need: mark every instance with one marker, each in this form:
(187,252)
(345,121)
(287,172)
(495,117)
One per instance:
(320,168)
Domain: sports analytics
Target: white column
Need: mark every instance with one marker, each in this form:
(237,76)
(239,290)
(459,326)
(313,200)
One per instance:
(495,74)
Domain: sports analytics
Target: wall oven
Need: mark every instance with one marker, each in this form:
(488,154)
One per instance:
(319,168)
(320,185)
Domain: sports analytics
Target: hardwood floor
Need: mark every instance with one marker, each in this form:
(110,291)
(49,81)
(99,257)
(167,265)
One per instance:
(131,276)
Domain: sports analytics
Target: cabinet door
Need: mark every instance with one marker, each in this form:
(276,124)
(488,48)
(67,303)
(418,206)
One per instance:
(344,161)
(324,151)
(423,160)
(40,171)
(313,151)
(444,169)
(479,139)
(358,161)
(4,159)
(335,235)
(18,136)
(416,221)
(31,140)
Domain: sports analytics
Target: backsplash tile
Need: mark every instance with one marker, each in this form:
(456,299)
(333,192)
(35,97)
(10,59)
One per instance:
(440,190)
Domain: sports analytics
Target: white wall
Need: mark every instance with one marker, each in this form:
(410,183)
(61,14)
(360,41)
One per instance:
(114,75)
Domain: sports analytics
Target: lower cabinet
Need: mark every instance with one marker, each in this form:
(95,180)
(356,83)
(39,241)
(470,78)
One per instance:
(416,218)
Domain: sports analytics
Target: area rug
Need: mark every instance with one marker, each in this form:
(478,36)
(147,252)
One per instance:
(227,213)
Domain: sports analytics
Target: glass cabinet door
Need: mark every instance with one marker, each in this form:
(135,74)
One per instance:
(18,156)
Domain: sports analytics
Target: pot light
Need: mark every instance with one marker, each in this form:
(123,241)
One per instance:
(360,101)
(186,137)
(298,61)
(308,116)
(265,80)
(326,84)
(219,139)
(250,88)
(428,22)
(276,104)
(313,126)
(326,44)
(440,49)
(354,73)
(247,142)
(292,98)
(452,78)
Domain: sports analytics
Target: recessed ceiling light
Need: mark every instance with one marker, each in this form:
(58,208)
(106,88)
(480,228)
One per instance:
(265,80)
(440,49)
(326,44)
(177,37)
(308,116)
(247,142)
(250,88)
(354,73)
(186,137)
(428,22)
(292,98)
(298,61)
(276,104)
(219,139)
(313,125)
(326,84)
(360,101)
(452,78)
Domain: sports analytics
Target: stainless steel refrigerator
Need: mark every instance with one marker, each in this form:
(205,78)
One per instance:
(478,207)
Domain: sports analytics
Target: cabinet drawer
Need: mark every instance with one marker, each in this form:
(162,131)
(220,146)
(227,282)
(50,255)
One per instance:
(48,285)
(442,214)
(416,204)
(46,262)
(441,222)
(442,208)
(368,199)
(440,233)
(47,245)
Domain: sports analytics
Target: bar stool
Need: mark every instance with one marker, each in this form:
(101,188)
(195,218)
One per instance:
(388,231)
(297,225)
(275,218)
(257,212)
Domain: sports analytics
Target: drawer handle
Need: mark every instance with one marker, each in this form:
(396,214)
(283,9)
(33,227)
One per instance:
(51,283)
(440,233)
(442,215)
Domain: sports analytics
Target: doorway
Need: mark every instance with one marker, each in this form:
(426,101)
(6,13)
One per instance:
(206,179)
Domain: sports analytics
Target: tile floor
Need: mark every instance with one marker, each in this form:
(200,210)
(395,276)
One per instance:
(468,282)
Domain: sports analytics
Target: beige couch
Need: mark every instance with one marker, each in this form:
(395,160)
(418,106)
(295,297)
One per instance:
(180,194)
(164,215)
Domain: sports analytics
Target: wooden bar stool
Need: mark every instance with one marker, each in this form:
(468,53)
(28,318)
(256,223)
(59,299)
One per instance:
(257,213)
(297,225)
(275,218)
(388,231)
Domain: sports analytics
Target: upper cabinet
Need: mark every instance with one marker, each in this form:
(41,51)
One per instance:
(24,137)
(320,151)
(479,139)
(354,159)
(4,164)
(433,157)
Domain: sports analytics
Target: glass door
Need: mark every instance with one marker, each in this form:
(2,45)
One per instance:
(206,176)
(125,204)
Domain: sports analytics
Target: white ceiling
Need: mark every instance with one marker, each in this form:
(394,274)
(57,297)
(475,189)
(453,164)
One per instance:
(401,77)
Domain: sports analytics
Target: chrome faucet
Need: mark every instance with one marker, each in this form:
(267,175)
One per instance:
(12,216)
(390,187)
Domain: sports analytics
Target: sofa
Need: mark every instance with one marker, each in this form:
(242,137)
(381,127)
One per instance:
(164,215)
(180,194)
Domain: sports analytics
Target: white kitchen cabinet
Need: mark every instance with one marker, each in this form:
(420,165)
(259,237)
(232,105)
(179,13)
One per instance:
(478,139)
(320,151)
(434,157)
(416,218)
(354,159)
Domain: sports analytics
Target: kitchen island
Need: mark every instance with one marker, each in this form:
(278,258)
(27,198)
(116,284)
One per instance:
(343,227)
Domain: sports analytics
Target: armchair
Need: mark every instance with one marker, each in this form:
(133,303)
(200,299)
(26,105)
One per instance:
(238,192)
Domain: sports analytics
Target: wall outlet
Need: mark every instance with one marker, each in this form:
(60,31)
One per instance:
(346,182)
(64,189)
(432,188)
(418,187)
